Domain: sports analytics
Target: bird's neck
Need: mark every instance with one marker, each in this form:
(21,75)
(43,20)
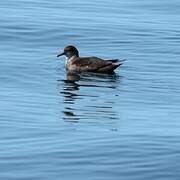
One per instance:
(69,59)
(72,57)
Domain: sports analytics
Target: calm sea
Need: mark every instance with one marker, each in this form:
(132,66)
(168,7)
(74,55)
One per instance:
(125,126)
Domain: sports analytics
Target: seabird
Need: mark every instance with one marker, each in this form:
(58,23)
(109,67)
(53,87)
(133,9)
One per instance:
(74,63)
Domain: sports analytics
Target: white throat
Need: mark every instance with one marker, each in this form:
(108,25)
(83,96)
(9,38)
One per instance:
(68,59)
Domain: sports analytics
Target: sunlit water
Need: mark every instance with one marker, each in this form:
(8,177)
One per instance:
(122,126)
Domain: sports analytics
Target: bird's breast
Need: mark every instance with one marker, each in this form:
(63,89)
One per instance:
(69,64)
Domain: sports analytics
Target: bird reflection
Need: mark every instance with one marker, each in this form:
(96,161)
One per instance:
(70,89)
(71,86)
(72,77)
(85,97)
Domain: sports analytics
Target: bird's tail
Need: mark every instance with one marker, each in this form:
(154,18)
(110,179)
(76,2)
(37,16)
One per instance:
(117,60)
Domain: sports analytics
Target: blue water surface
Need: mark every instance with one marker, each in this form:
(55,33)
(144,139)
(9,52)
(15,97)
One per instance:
(125,126)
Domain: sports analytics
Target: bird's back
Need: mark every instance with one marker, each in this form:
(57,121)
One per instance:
(93,64)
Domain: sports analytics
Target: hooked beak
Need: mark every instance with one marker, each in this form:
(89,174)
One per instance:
(61,54)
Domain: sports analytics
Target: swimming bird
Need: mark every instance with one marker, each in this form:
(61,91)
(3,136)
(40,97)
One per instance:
(74,63)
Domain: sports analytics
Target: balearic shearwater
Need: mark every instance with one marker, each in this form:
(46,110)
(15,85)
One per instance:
(78,64)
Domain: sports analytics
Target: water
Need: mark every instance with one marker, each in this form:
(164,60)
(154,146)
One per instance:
(124,126)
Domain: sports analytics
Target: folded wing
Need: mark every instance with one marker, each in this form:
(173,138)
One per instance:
(94,64)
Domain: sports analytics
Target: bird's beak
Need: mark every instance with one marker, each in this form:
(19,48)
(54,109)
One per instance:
(61,54)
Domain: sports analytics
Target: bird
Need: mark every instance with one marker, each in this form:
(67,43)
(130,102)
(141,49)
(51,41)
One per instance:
(75,63)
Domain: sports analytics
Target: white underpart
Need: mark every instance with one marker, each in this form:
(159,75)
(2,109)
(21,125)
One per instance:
(68,60)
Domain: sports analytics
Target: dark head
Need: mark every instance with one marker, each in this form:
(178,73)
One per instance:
(69,51)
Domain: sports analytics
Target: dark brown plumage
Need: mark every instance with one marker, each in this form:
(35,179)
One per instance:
(89,64)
